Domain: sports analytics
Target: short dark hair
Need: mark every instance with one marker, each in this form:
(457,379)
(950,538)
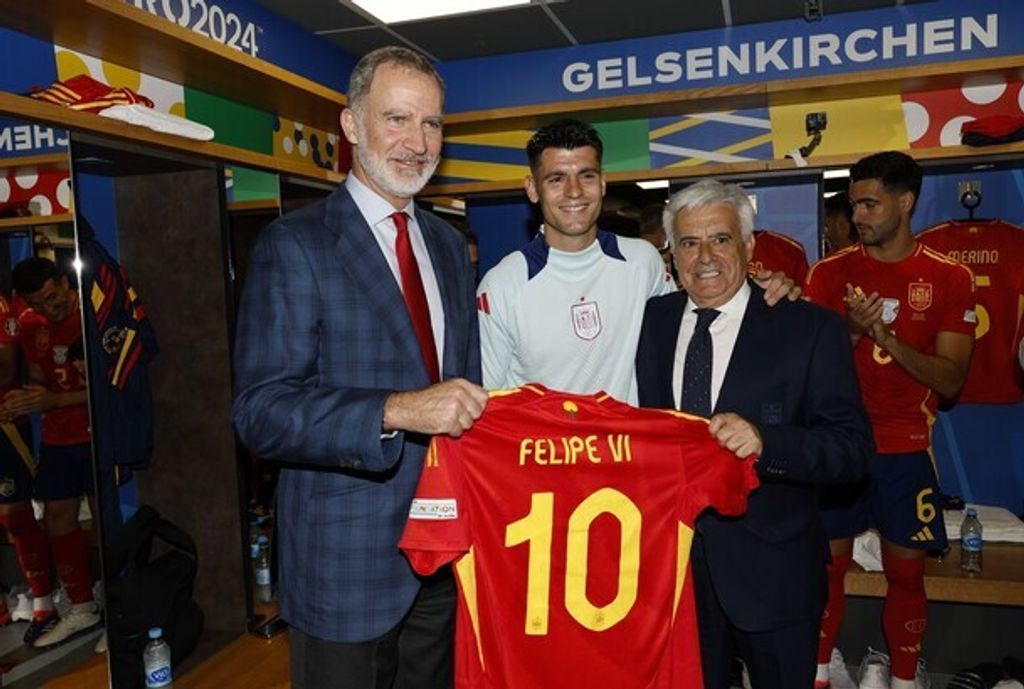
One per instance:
(361,79)
(839,203)
(567,134)
(31,274)
(897,172)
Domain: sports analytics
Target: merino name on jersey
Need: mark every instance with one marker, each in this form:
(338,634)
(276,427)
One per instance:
(572,581)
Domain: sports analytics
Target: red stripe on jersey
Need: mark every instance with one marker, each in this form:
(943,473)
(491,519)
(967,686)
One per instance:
(482,305)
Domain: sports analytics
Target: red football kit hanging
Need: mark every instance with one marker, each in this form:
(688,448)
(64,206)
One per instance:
(994,251)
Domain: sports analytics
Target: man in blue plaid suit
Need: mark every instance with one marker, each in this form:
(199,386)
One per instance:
(333,377)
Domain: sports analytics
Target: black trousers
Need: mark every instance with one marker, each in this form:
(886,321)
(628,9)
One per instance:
(416,654)
(782,658)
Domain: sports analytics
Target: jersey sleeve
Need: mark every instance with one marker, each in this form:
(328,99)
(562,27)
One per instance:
(498,338)
(959,316)
(819,287)
(437,530)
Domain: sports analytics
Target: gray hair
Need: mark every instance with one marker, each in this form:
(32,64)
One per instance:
(362,76)
(709,192)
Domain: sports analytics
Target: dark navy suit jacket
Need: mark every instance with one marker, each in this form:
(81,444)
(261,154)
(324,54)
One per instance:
(323,338)
(791,374)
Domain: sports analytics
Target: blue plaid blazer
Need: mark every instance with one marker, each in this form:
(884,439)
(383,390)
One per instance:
(323,337)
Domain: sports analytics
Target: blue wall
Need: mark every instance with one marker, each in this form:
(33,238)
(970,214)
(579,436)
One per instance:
(502,225)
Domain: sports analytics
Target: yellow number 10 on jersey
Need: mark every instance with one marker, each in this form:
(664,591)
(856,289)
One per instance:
(537,528)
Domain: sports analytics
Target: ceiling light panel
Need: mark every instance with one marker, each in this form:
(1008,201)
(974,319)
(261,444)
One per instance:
(394,11)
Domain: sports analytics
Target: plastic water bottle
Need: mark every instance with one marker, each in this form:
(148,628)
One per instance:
(264,593)
(970,542)
(157,661)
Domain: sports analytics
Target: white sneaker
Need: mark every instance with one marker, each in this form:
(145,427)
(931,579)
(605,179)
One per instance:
(22,610)
(78,619)
(874,670)
(101,644)
(838,674)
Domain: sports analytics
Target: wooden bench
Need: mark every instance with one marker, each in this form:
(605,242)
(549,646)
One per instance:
(1001,581)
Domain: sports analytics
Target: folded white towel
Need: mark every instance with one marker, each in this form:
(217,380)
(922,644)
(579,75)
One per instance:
(166,123)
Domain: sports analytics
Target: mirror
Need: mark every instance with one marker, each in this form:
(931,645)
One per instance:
(51,533)
(161,413)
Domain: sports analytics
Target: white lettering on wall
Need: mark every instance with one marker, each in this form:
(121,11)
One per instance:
(859,46)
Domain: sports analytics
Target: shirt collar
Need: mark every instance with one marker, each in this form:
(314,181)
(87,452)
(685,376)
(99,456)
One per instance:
(734,308)
(373,207)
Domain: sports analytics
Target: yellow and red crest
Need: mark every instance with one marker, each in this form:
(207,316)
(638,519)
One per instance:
(919,295)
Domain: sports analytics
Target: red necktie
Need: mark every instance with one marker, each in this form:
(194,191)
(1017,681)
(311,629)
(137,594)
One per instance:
(415,296)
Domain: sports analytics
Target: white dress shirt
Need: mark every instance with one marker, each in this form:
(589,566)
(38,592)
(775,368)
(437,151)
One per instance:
(724,331)
(377,213)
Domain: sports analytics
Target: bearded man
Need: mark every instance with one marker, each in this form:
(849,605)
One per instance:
(357,341)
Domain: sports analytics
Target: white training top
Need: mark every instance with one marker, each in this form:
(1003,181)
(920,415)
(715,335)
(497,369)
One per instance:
(569,321)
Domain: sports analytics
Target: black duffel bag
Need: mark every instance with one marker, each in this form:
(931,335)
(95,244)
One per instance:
(143,591)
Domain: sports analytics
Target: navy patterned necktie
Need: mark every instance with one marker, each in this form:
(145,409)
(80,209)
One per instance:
(695,397)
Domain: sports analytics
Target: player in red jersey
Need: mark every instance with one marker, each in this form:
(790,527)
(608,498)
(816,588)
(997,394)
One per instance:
(911,317)
(994,251)
(51,338)
(17,470)
(570,519)
(777,252)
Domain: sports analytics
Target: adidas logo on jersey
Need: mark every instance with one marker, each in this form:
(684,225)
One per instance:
(923,535)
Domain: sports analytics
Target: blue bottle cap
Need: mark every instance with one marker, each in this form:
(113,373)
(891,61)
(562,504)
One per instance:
(971,512)
(155,633)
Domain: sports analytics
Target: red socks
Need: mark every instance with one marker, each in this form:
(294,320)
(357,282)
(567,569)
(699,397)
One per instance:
(905,613)
(836,606)
(32,548)
(71,553)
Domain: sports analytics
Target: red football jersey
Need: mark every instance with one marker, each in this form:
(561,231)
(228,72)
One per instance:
(570,519)
(925,294)
(777,252)
(49,345)
(994,251)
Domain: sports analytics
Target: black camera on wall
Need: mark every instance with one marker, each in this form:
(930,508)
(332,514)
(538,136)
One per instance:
(816,122)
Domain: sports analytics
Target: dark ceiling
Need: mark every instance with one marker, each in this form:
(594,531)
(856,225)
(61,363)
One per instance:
(545,23)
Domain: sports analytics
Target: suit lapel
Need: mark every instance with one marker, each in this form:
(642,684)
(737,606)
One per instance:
(360,257)
(666,342)
(746,354)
